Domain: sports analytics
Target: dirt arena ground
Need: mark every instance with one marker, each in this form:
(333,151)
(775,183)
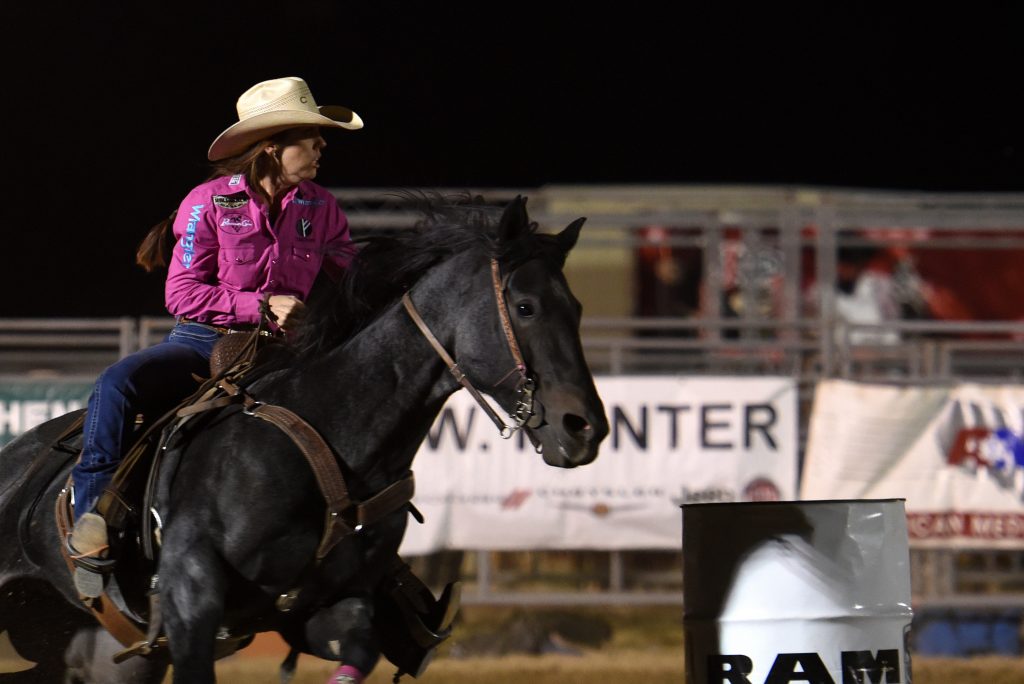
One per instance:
(642,645)
(647,667)
(645,645)
(652,666)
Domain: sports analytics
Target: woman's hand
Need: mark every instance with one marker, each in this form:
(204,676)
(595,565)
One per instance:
(288,311)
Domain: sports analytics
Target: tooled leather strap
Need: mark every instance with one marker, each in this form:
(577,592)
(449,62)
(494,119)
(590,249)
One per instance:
(321,461)
(120,626)
(330,480)
(506,322)
(324,467)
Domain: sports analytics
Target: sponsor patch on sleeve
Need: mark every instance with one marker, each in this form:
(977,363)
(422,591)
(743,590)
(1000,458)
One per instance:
(188,240)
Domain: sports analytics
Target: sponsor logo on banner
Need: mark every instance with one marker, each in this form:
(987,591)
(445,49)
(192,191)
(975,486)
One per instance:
(953,525)
(858,667)
(1000,452)
(236,224)
(233,201)
(189,238)
(762,489)
(515,499)
(599,509)
(706,495)
(758,489)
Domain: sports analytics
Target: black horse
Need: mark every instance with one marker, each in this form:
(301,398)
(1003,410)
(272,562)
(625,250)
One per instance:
(243,516)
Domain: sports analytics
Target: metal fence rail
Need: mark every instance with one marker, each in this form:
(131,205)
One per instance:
(926,351)
(67,346)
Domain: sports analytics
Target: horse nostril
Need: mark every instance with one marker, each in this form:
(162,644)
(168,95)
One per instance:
(575,425)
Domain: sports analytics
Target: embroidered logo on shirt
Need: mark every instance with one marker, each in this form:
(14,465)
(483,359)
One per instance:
(302,202)
(236,223)
(304,227)
(236,179)
(189,238)
(232,201)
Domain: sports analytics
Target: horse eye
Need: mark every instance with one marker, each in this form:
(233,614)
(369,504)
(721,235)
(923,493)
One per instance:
(524,309)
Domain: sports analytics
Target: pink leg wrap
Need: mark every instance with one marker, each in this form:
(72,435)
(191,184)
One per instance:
(346,674)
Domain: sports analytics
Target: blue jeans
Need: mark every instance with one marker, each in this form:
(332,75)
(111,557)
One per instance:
(150,381)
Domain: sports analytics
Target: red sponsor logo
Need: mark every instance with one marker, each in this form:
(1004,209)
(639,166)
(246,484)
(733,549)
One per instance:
(967,448)
(986,448)
(515,499)
(599,509)
(974,525)
(761,489)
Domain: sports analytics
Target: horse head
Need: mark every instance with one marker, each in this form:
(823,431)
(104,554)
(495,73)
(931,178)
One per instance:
(520,342)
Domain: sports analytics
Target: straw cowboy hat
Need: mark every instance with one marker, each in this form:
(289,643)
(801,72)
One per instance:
(273,106)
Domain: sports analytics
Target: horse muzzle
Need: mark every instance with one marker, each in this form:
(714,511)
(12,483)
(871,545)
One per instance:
(571,429)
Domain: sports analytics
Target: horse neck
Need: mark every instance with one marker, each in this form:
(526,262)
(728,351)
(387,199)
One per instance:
(374,398)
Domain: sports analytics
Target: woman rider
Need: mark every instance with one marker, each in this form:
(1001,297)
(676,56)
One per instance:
(253,236)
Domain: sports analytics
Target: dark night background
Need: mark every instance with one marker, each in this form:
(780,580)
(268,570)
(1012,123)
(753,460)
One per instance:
(110,108)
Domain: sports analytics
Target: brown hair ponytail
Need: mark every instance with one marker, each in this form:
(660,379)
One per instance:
(155,249)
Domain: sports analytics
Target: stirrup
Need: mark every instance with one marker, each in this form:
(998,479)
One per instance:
(91,571)
(90,576)
(91,563)
(102,566)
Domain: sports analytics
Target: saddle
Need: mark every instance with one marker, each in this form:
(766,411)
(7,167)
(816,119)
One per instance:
(412,624)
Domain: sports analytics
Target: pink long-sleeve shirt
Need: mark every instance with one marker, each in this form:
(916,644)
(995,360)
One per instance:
(229,254)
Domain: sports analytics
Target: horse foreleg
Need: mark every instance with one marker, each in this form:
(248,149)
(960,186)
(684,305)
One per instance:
(344,631)
(192,590)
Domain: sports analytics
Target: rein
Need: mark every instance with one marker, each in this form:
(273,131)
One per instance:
(524,414)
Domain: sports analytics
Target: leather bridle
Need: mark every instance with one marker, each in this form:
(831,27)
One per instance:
(525,414)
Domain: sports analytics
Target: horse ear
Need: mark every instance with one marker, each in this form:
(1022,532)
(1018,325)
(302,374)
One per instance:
(514,219)
(567,238)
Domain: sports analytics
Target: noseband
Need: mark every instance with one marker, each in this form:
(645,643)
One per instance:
(524,413)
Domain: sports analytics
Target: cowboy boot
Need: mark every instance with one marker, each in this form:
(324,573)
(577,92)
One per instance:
(88,544)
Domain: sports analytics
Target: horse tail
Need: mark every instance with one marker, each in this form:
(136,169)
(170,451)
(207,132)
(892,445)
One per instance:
(155,248)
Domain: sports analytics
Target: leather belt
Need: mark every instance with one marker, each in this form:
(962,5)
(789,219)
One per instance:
(222,329)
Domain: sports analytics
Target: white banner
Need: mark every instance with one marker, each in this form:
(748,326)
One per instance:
(954,453)
(672,441)
(26,403)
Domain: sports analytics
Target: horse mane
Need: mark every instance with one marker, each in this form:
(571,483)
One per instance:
(386,266)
